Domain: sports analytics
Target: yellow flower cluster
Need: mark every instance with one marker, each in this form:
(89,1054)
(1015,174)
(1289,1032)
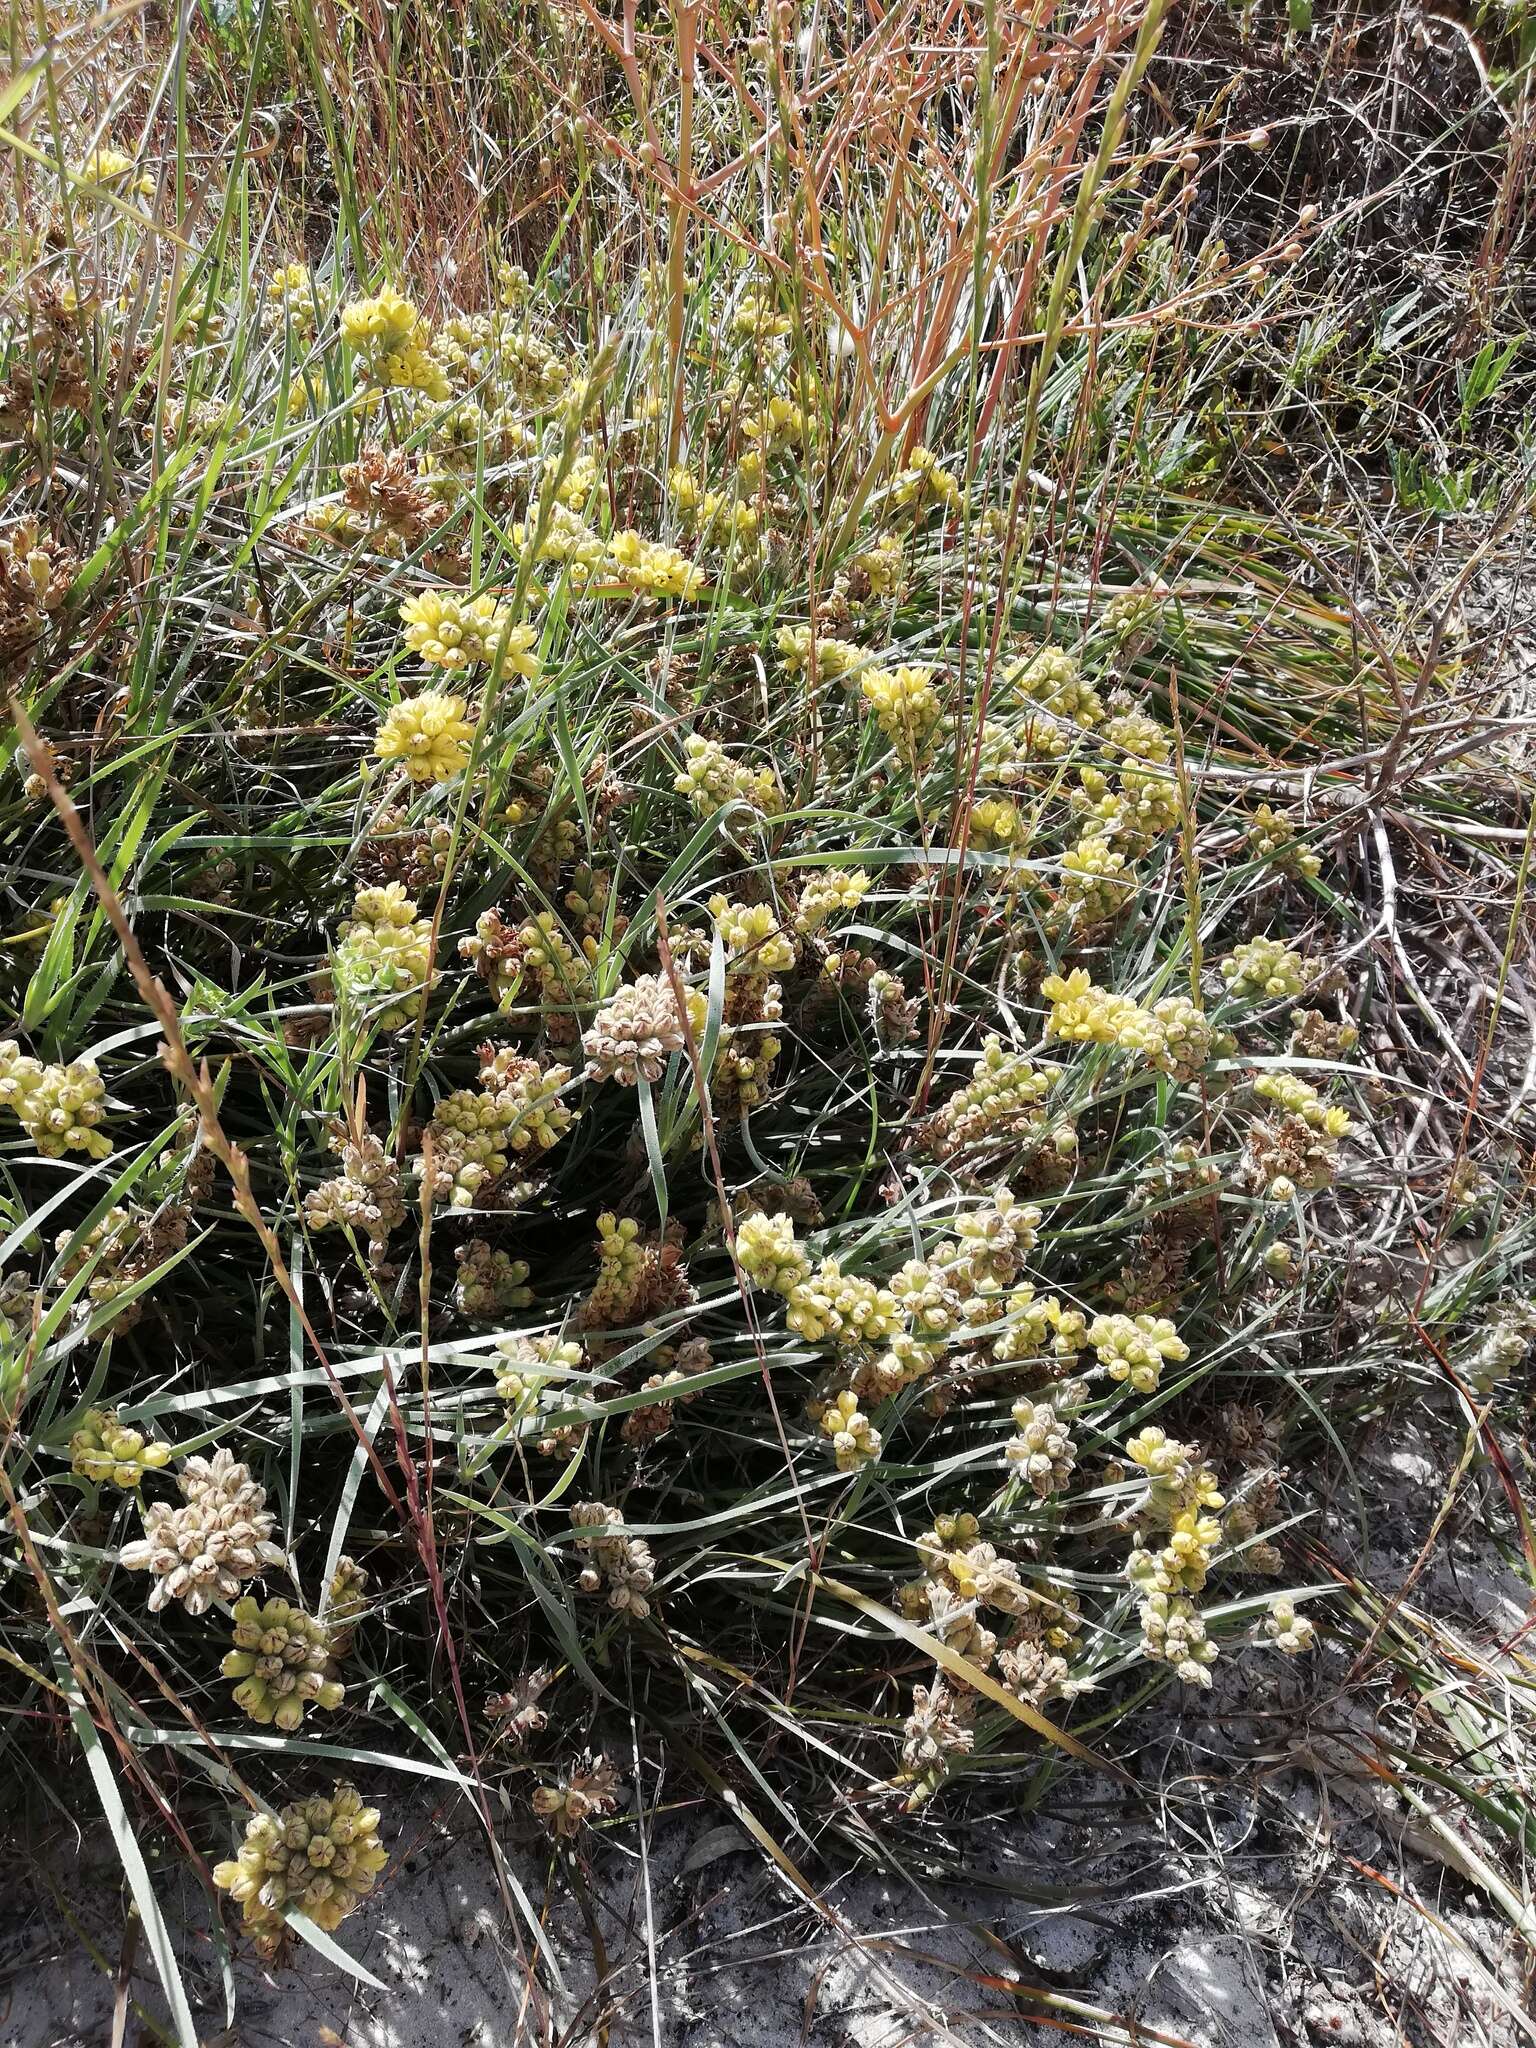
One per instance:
(623,1272)
(1134,1348)
(1095,886)
(1272,836)
(998,826)
(282,1658)
(835,659)
(1038,1327)
(568,540)
(111,1453)
(1297,1097)
(1136,809)
(450,630)
(881,568)
(906,704)
(855,1440)
(1265,969)
(106,167)
(1084,1015)
(1177,1476)
(1137,734)
(563,974)
(826,893)
(831,1306)
(1052,680)
(1004,1098)
(385,956)
(59,1107)
(1172,1036)
(652,568)
(293,288)
(754,938)
(428,735)
(779,425)
(475,1134)
(710,780)
(925,485)
(393,342)
(320,1855)
(768,1253)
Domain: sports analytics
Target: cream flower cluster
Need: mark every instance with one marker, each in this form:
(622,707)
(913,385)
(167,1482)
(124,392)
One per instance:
(1004,1098)
(490,1281)
(1177,1533)
(365,1196)
(1095,882)
(533,1378)
(618,1565)
(1042,1451)
(1289,1631)
(1272,836)
(769,1254)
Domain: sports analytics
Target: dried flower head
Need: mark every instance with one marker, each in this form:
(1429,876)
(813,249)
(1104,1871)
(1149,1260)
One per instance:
(204,1550)
(639,1028)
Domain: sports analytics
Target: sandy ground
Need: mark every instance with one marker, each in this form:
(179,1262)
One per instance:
(1262,1887)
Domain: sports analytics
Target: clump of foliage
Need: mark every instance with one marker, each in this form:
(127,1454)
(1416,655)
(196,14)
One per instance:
(689,966)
